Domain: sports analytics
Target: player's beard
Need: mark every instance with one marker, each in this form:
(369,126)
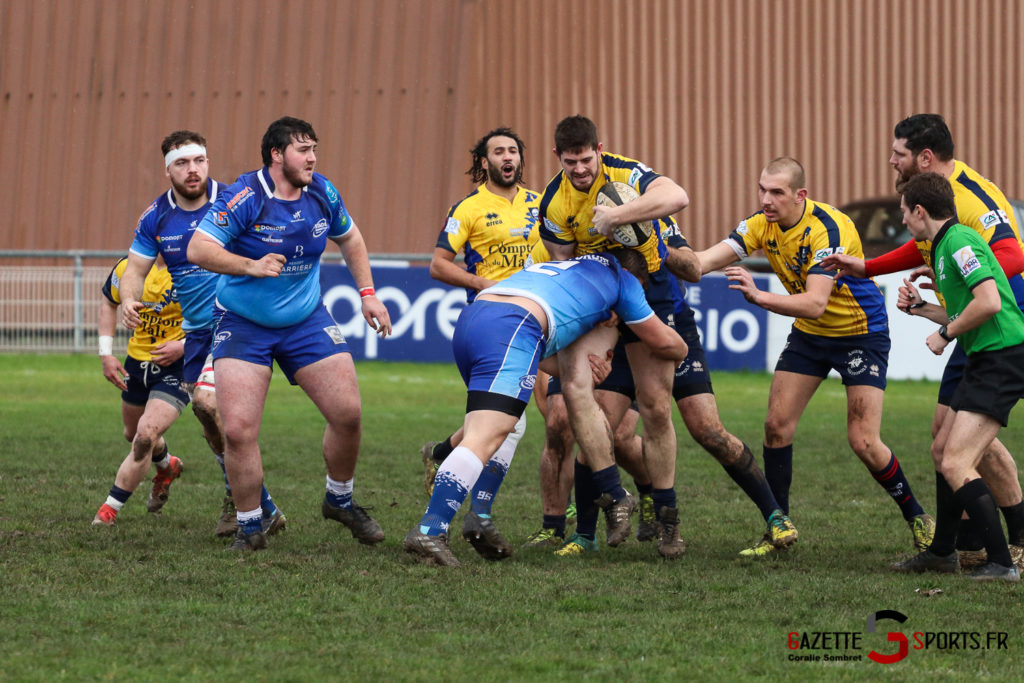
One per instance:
(903,177)
(294,175)
(496,176)
(187,193)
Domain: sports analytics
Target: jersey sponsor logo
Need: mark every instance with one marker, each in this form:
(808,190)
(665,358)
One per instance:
(332,194)
(993,218)
(940,268)
(966,260)
(263,227)
(240,198)
(320,227)
(742,228)
(527,381)
(451,226)
(550,225)
(334,332)
(822,253)
(297,216)
(168,238)
(634,175)
(493,219)
(220,219)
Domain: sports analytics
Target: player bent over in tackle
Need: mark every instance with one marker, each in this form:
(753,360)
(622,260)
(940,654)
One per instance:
(981,313)
(499,343)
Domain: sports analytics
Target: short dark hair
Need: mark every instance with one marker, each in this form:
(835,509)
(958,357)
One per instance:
(179,138)
(926,131)
(791,167)
(634,263)
(479,151)
(933,193)
(284,132)
(575,133)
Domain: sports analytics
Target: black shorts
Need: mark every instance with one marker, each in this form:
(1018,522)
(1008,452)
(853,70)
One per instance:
(992,384)
(147,380)
(692,376)
(952,374)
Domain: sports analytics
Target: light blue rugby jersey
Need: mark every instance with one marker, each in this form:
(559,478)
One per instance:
(165,228)
(249,221)
(577,294)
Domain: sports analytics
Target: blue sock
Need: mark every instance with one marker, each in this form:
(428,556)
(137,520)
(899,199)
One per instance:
(457,474)
(751,479)
(486,487)
(250,522)
(586,510)
(608,481)
(339,493)
(267,503)
(663,498)
(778,470)
(892,479)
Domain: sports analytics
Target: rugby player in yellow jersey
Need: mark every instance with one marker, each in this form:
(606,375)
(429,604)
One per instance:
(494,228)
(152,395)
(840,324)
(923,143)
(572,224)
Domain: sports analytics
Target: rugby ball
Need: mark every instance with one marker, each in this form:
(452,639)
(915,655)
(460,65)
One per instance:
(630,234)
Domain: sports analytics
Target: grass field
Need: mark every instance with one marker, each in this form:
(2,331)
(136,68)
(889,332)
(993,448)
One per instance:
(157,597)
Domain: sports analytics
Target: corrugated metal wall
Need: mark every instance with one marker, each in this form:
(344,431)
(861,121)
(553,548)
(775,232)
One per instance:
(703,91)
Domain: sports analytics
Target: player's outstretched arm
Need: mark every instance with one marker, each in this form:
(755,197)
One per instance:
(683,263)
(846,265)
(716,257)
(357,259)
(663,341)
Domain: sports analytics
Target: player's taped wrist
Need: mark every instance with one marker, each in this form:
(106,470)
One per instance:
(106,345)
(366,291)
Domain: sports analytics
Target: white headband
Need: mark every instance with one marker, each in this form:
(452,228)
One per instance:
(189,150)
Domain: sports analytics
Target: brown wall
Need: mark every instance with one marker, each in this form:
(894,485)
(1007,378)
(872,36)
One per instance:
(703,91)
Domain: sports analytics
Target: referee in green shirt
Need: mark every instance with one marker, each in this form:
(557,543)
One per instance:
(981,313)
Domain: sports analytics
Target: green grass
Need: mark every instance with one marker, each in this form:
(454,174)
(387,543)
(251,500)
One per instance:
(157,597)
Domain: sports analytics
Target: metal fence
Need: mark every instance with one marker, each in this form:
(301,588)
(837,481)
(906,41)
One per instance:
(54,308)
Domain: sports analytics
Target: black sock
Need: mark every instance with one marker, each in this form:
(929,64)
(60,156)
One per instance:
(1014,516)
(749,477)
(977,500)
(947,517)
(157,457)
(968,537)
(608,481)
(643,489)
(778,470)
(442,450)
(556,523)
(586,510)
(663,498)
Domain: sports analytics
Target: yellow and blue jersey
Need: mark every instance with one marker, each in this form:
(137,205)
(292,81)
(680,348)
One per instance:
(855,306)
(981,206)
(495,233)
(567,214)
(160,318)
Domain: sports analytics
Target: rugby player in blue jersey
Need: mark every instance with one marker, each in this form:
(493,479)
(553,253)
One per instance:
(266,235)
(499,343)
(164,229)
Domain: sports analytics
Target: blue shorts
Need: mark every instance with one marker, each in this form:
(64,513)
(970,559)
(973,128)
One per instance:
(861,360)
(146,381)
(293,347)
(497,349)
(197,348)
(692,376)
